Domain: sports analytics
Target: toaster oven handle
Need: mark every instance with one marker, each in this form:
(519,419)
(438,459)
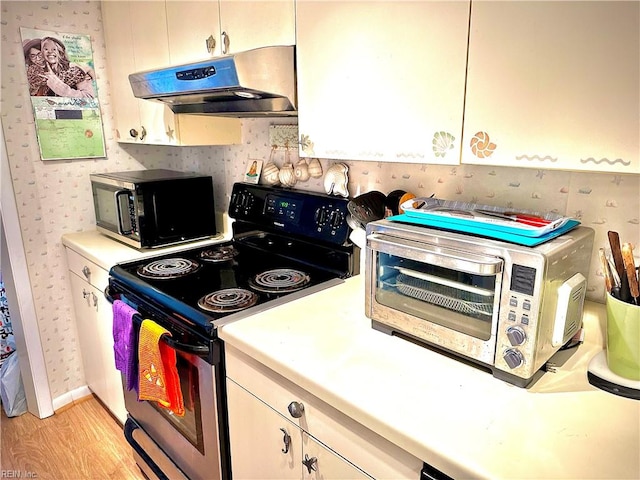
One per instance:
(436,255)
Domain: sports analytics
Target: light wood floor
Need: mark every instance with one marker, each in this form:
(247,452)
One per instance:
(81,442)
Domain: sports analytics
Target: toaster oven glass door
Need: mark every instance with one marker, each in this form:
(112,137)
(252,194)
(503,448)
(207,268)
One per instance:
(457,290)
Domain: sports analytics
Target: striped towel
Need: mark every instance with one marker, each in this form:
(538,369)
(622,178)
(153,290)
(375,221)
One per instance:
(125,343)
(158,375)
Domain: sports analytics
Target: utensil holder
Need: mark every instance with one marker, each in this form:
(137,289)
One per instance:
(623,338)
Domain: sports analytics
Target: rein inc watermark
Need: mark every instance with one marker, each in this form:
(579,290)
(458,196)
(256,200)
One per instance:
(17,474)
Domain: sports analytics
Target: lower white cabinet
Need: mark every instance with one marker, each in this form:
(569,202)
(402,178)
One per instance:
(94,321)
(280,431)
(265,445)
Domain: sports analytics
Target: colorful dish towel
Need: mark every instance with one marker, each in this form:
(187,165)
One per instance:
(158,373)
(125,343)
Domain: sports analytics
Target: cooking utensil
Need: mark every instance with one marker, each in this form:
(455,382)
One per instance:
(606,270)
(614,243)
(526,219)
(630,269)
(368,207)
(616,252)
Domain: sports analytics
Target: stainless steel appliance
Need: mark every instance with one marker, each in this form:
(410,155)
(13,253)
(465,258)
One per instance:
(258,82)
(153,208)
(501,305)
(286,244)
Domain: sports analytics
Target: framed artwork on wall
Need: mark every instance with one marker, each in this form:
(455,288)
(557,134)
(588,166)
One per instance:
(64,95)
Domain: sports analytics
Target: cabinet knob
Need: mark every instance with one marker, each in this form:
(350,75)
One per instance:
(94,298)
(86,271)
(85,294)
(133,133)
(225,43)
(296,409)
(210,43)
(310,463)
(286,439)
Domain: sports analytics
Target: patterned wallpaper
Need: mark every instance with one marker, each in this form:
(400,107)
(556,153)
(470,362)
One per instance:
(54,197)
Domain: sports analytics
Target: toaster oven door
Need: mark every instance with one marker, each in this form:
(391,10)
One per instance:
(436,294)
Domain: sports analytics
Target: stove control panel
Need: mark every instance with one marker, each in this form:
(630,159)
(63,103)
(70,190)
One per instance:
(309,214)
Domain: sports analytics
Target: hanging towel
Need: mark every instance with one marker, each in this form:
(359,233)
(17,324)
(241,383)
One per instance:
(158,375)
(125,343)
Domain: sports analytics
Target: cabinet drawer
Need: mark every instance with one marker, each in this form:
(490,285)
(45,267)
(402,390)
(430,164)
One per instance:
(87,270)
(369,451)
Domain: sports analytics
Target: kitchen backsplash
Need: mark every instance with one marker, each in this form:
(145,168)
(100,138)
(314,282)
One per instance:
(54,197)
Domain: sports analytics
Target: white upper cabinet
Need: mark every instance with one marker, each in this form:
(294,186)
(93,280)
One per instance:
(245,25)
(137,39)
(202,29)
(381,81)
(554,85)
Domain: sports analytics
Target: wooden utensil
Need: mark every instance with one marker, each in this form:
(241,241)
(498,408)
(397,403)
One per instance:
(614,243)
(616,252)
(606,271)
(630,268)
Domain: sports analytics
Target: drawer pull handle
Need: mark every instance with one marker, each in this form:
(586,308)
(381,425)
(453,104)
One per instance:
(86,271)
(296,409)
(287,440)
(310,463)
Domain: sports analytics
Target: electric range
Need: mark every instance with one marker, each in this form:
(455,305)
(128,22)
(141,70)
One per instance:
(286,244)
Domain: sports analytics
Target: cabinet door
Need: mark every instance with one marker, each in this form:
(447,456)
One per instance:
(252,24)
(382,81)
(94,323)
(151,50)
(120,63)
(190,24)
(257,436)
(328,465)
(554,85)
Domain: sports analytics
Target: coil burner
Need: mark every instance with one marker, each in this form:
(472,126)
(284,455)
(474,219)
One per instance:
(280,280)
(228,300)
(218,254)
(167,268)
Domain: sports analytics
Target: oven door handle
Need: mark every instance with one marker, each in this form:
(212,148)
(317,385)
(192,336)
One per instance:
(437,255)
(200,350)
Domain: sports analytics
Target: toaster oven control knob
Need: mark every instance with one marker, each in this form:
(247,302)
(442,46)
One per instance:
(296,409)
(513,358)
(516,336)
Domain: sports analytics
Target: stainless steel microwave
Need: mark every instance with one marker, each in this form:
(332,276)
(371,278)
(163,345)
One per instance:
(154,208)
(506,307)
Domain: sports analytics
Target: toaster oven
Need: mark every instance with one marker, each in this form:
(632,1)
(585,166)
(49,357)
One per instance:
(504,306)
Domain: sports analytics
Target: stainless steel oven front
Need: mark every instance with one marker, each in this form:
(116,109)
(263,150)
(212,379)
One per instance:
(505,306)
(193,446)
(189,445)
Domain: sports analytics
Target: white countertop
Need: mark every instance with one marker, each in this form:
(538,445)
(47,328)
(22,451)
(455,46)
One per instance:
(106,252)
(460,419)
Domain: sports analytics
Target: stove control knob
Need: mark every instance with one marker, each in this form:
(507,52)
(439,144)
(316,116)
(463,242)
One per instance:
(296,409)
(513,357)
(516,336)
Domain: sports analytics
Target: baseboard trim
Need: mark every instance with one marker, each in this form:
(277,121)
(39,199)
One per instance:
(68,399)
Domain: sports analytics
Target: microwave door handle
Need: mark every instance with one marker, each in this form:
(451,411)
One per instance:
(443,256)
(117,195)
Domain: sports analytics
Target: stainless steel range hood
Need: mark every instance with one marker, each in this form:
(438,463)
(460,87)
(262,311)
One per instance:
(254,83)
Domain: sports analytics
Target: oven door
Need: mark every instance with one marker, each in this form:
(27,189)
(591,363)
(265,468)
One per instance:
(435,294)
(193,441)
